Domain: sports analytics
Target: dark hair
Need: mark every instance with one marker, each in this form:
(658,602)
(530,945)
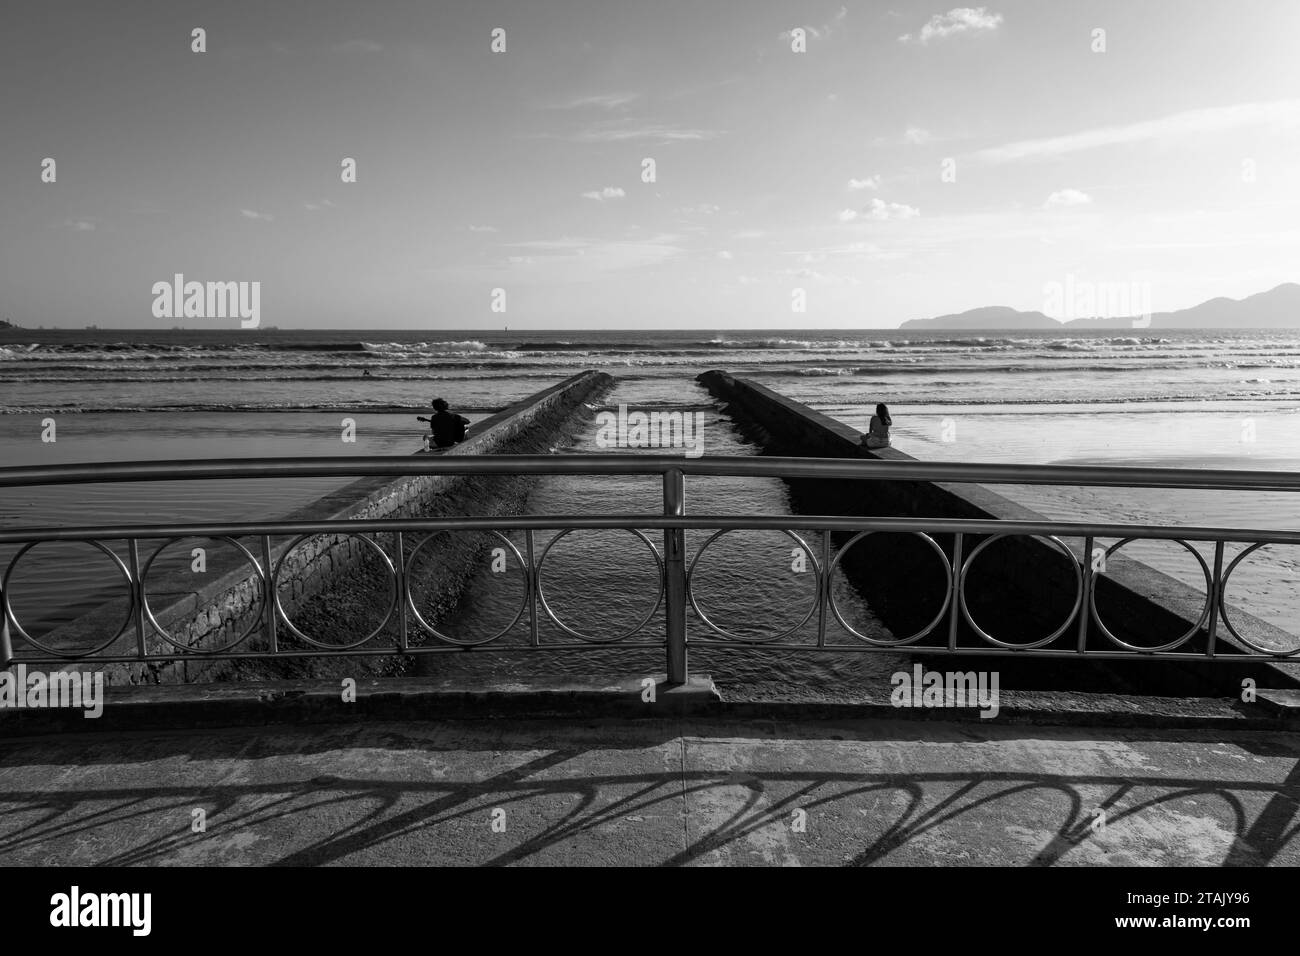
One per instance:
(882,412)
(439,405)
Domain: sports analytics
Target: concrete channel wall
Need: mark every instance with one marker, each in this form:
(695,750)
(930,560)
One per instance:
(214,614)
(1019,589)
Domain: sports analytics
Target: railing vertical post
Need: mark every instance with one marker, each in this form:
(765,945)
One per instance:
(530,544)
(824,588)
(1085,607)
(6,641)
(268,596)
(1216,599)
(675,576)
(137,596)
(954,598)
(403,591)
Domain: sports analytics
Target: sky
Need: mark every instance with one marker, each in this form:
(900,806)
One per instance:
(912,159)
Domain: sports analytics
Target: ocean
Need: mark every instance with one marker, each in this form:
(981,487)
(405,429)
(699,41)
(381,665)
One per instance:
(1186,398)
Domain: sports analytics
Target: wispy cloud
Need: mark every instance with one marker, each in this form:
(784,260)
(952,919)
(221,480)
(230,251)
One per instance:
(1282,113)
(956,21)
(604,101)
(880,211)
(624,131)
(912,136)
(851,251)
(700,209)
(815,276)
(609,192)
(572,258)
(254,214)
(81,225)
(482,229)
(1067,197)
(819,33)
(313,206)
(871,182)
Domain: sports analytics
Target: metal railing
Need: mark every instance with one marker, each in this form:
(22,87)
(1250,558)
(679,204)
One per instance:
(272,633)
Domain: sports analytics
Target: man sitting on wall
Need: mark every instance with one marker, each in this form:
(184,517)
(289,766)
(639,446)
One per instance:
(448,429)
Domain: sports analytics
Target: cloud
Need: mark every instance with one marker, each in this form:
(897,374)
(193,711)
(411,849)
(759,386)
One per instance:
(572,259)
(818,33)
(956,21)
(815,276)
(749,234)
(316,206)
(701,209)
(724,254)
(912,136)
(856,251)
(1214,119)
(882,211)
(609,192)
(1067,197)
(624,131)
(254,214)
(871,182)
(604,101)
(482,228)
(81,225)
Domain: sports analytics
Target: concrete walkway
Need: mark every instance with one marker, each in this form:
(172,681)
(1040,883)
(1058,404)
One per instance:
(652,792)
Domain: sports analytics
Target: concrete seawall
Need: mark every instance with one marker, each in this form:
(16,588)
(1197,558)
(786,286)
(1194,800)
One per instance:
(1023,588)
(321,574)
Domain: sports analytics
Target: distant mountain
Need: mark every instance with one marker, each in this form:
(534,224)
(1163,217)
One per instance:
(989,317)
(1277,308)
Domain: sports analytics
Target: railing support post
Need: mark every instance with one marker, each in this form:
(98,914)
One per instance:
(268,597)
(675,576)
(1216,600)
(6,641)
(137,598)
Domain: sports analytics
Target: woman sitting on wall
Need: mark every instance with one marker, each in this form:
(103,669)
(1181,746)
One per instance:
(877,435)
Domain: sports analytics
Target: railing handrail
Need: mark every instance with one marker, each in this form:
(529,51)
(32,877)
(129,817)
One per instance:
(648,522)
(871,469)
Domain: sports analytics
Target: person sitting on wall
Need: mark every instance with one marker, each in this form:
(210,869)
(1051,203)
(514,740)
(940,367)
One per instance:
(448,428)
(877,435)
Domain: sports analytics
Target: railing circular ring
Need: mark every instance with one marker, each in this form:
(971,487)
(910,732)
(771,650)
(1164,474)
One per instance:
(1223,606)
(947,592)
(690,592)
(410,598)
(1177,642)
(284,617)
(162,632)
(1069,619)
(8,612)
(541,591)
